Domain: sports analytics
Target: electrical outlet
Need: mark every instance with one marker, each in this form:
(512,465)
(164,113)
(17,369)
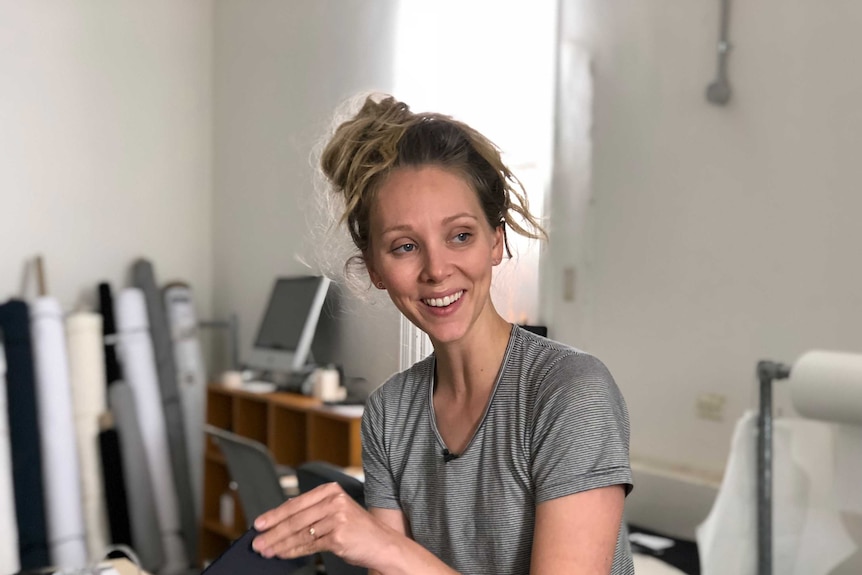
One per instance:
(710,406)
(569,284)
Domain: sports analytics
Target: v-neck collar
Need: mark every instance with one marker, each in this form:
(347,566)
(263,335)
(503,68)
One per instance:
(499,377)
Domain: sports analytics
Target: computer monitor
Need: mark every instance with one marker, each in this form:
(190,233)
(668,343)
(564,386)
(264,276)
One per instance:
(283,342)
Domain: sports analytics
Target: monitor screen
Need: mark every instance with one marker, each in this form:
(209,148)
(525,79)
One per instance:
(283,341)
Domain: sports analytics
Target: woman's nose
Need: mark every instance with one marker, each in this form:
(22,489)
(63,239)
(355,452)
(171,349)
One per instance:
(436,265)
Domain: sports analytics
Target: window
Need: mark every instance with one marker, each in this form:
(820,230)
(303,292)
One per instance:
(492,65)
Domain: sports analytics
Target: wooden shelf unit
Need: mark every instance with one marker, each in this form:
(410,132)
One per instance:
(295,429)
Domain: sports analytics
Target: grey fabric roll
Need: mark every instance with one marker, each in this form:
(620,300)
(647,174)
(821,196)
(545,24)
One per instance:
(135,351)
(191,379)
(143,277)
(146,534)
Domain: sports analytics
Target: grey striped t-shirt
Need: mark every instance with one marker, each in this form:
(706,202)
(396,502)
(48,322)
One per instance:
(556,425)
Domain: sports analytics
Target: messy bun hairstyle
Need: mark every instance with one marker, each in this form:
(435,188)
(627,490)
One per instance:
(385,135)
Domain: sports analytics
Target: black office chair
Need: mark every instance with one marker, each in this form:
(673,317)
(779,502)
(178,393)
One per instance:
(256,475)
(314,473)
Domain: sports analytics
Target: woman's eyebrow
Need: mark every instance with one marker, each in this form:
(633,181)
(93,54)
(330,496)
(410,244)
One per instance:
(446,220)
(458,216)
(396,228)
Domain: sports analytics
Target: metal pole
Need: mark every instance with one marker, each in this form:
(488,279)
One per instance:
(767,372)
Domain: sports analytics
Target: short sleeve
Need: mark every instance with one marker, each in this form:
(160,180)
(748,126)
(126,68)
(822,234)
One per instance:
(580,430)
(380,486)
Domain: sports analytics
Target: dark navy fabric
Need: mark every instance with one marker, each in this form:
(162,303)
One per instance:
(115,487)
(109,443)
(24,436)
(109,330)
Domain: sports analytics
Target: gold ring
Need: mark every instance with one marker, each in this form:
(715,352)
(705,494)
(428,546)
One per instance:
(311,530)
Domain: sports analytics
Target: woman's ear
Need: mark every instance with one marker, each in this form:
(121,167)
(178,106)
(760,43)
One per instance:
(499,244)
(369,267)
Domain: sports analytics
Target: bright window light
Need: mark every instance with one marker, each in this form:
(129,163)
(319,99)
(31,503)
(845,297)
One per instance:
(491,64)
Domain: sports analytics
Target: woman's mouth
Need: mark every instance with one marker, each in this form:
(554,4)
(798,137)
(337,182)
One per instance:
(443,301)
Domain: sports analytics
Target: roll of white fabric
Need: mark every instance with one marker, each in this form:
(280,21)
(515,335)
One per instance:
(9,559)
(136,356)
(61,469)
(191,379)
(808,535)
(87,376)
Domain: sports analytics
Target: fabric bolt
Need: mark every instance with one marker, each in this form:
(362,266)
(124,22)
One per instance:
(24,436)
(61,470)
(114,482)
(191,379)
(139,366)
(143,277)
(143,515)
(109,332)
(556,424)
(9,560)
(59,452)
(115,493)
(87,377)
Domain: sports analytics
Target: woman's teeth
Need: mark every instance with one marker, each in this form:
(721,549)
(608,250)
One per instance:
(444,301)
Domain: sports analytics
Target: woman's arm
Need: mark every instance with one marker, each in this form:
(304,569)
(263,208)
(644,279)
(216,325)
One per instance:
(578,533)
(377,540)
(405,556)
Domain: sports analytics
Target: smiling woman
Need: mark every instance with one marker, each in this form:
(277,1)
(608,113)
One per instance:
(433,251)
(502,452)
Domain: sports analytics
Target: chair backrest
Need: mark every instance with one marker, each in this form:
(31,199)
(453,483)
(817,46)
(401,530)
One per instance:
(252,468)
(314,473)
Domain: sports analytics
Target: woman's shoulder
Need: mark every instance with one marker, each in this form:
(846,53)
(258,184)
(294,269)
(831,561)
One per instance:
(405,384)
(547,356)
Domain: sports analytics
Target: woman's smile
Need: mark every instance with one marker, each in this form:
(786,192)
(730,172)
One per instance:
(445,301)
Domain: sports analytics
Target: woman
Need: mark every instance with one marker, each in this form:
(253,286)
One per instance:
(501,453)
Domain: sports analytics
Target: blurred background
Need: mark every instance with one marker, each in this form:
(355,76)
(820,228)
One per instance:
(687,240)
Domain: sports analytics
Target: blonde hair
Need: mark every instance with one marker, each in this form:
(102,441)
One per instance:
(385,135)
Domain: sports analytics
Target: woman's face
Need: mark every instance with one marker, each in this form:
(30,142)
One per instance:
(433,250)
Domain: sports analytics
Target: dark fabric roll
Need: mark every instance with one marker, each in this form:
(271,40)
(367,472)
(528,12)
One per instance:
(113,474)
(24,436)
(114,480)
(109,330)
(143,277)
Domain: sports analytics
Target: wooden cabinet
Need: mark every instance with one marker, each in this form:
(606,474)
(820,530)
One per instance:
(295,429)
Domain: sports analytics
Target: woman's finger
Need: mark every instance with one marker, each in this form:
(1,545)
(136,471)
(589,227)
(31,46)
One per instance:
(294,521)
(314,536)
(293,506)
(290,529)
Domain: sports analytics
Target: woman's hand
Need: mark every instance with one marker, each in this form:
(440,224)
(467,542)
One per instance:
(324,519)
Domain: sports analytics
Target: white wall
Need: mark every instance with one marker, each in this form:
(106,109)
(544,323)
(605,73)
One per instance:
(105,131)
(281,68)
(716,236)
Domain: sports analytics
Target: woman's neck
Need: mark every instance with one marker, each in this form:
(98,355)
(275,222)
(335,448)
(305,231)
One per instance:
(468,368)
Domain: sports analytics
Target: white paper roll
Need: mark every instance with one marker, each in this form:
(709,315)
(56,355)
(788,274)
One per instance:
(61,471)
(9,558)
(827,385)
(809,537)
(87,376)
(139,365)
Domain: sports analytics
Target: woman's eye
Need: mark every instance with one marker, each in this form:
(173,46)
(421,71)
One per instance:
(462,237)
(404,248)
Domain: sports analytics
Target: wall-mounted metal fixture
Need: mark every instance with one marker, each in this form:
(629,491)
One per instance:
(718,92)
